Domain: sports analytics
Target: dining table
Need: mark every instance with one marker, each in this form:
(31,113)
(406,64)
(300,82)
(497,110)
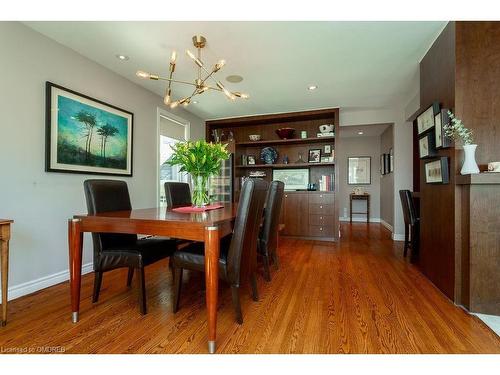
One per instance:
(207,227)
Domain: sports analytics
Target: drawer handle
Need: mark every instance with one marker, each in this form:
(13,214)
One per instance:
(286,195)
(321,217)
(320,228)
(320,206)
(321,195)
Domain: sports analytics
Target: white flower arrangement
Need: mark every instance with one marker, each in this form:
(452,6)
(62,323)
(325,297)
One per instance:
(458,131)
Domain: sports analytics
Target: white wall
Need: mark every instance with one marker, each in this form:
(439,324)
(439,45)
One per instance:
(403,145)
(359,146)
(40,202)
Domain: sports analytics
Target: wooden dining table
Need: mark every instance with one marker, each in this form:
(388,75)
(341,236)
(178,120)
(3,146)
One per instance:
(208,227)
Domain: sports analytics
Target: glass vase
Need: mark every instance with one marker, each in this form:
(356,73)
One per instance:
(200,190)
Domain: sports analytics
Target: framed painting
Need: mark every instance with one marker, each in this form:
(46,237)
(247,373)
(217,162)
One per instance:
(294,179)
(359,170)
(425,120)
(441,119)
(86,135)
(436,172)
(427,146)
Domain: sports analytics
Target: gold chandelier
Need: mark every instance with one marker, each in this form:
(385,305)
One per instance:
(200,83)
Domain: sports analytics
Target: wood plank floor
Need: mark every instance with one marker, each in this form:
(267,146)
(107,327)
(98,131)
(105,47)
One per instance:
(358,296)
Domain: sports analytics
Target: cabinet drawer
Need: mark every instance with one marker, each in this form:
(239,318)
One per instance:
(323,198)
(321,231)
(320,208)
(324,220)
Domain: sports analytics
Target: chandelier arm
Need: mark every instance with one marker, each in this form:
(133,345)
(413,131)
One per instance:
(176,81)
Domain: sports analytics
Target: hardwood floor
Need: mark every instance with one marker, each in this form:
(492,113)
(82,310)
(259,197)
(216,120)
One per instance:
(359,296)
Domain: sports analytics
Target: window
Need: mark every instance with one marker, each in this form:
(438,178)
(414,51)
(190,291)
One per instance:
(171,130)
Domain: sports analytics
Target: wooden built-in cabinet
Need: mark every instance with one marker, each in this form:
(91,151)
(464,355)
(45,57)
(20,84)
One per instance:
(306,214)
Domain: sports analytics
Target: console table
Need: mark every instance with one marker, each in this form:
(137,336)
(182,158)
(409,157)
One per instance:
(4,258)
(365,197)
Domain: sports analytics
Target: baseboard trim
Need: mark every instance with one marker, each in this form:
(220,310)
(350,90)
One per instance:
(386,224)
(360,219)
(32,286)
(398,237)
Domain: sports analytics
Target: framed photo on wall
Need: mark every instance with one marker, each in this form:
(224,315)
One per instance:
(382,169)
(359,170)
(436,171)
(427,146)
(441,119)
(425,120)
(391,160)
(86,135)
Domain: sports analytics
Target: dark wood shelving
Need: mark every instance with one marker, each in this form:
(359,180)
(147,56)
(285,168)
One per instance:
(286,141)
(292,165)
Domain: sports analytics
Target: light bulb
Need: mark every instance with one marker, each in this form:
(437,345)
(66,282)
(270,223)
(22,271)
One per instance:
(142,74)
(244,96)
(174,104)
(173,57)
(167,99)
(219,65)
(193,57)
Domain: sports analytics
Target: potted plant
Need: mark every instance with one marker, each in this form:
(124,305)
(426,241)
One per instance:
(201,160)
(457,130)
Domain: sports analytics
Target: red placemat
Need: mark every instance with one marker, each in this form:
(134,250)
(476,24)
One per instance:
(190,209)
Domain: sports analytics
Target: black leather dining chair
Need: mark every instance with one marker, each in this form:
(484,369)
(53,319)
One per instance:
(235,249)
(412,222)
(113,250)
(177,194)
(268,237)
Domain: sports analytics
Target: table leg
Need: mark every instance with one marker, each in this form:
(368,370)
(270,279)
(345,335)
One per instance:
(4,256)
(75,239)
(212,243)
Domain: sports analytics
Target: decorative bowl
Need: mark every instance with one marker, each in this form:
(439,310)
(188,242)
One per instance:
(326,128)
(268,155)
(254,137)
(285,133)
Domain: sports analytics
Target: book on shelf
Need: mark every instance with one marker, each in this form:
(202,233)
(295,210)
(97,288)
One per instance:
(329,134)
(327,182)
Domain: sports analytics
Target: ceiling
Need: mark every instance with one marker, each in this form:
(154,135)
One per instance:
(369,130)
(354,64)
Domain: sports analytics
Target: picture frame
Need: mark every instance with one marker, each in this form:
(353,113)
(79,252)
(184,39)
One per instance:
(387,164)
(437,171)
(427,146)
(359,170)
(251,159)
(314,155)
(425,120)
(86,135)
(294,179)
(391,160)
(441,119)
(327,149)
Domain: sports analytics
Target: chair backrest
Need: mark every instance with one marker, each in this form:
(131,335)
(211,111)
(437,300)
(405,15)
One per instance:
(272,212)
(106,196)
(243,245)
(409,212)
(177,194)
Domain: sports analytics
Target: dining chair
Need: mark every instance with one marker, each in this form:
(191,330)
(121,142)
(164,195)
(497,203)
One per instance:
(239,247)
(177,194)
(268,237)
(412,222)
(113,250)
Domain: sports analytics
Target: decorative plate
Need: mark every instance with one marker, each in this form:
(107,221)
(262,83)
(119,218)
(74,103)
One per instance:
(268,155)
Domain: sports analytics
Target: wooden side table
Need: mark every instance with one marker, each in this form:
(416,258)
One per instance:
(365,197)
(4,259)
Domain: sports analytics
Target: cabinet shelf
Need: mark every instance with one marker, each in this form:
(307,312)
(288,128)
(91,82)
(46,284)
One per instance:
(285,141)
(294,165)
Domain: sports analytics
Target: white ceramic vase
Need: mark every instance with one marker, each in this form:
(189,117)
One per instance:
(470,165)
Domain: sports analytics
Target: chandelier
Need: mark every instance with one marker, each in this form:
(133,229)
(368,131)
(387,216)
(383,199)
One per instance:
(201,83)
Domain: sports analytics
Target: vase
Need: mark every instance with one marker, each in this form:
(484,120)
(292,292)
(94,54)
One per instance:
(200,190)
(470,165)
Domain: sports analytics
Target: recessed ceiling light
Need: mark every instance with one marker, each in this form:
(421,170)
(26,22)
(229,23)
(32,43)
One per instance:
(360,133)
(312,87)
(234,78)
(122,57)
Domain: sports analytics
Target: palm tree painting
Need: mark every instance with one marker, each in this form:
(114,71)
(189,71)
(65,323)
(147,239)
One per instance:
(90,137)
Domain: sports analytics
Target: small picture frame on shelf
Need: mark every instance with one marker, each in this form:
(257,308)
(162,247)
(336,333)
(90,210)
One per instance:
(427,146)
(303,134)
(314,156)
(327,149)
(441,119)
(251,159)
(436,171)
(326,159)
